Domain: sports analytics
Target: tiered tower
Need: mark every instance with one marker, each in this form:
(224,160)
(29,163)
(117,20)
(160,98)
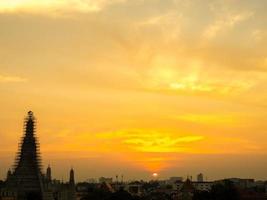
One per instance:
(25,181)
(27,168)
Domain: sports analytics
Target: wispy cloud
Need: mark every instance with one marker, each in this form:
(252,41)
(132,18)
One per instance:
(11,79)
(225,22)
(46,6)
(210,119)
(192,80)
(152,141)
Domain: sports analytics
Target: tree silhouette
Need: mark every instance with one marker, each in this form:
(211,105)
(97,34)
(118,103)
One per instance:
(225,190)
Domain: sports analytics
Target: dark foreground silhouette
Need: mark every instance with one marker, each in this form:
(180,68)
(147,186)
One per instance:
(222,191)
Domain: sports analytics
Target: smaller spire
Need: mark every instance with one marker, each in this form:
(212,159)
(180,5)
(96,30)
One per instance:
(72,181)
(30,113)
(48,173)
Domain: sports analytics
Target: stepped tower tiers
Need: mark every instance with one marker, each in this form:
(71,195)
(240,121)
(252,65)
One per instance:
(27,168)
(25,181)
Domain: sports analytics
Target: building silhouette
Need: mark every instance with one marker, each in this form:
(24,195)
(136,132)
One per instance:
(200,177)
(26,181)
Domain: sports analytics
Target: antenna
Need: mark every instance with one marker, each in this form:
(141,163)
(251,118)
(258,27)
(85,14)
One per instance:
(117,178)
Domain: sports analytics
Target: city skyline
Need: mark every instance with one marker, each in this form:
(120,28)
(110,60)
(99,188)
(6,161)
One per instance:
(137,87)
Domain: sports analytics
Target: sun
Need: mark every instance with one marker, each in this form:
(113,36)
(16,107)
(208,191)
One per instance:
(155,175)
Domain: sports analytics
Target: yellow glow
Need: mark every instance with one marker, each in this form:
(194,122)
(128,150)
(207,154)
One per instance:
(145,85)
(209,119)
(191,86)
(152,141)
(10,79)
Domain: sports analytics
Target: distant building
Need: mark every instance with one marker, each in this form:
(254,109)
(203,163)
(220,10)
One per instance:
(134,188)
(186,191)
(240,182)
(26,181)
(173,180)
(107,180)
(200,186)
(203,186)
(91,180)
(200,177)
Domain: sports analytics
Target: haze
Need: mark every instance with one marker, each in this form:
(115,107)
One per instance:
(137,87)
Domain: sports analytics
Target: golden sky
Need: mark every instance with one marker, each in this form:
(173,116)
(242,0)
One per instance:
(134,87)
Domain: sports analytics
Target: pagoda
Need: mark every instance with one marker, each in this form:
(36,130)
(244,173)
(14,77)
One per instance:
(27,169)
(26,176)
(26,181)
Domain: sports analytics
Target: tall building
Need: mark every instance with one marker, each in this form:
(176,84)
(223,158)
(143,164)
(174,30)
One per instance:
(200,177)
(174,179)
(48,174)
(26,181)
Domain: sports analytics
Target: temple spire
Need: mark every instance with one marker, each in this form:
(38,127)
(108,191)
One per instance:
(72,181)
(28,155)
(27,168)
(48,173)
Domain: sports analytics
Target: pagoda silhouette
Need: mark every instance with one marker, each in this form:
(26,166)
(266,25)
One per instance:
(28,165)
(26,181)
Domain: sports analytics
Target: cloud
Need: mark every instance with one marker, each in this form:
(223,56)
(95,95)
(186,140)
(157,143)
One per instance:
(152,141)
(196,78)
(225,22)
(209,119)
(46,6)
(11,79)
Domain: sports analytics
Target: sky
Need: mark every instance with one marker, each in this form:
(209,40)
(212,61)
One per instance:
(136,87)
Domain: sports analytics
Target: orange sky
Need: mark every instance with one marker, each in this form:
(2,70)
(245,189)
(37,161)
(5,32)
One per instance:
(134,87)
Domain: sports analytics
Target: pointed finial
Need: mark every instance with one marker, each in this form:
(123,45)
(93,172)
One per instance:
(30,113)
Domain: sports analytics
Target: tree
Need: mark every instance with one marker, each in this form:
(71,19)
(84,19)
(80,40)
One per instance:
(121,195)
(96,194)
(202,195)
(150,186)
(225,190)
